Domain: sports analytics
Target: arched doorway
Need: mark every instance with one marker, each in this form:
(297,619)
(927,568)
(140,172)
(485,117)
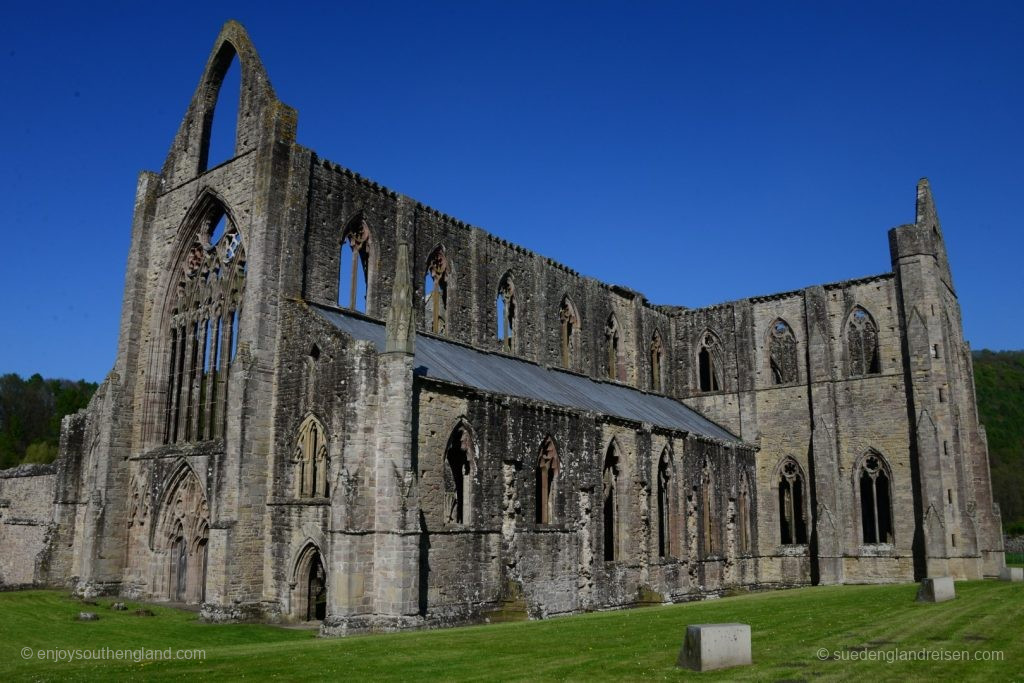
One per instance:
(181,538)
(179,566)
(309,586)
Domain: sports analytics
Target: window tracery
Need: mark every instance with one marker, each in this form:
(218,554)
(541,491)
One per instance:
(203,331)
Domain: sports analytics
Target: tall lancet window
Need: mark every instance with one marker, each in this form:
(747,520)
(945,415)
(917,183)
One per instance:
(569,322)
(547,481)
(875,499)
(201,333)
(612,340)
(792,520)
(507,311)
(354,266)
(657,353)
(707,493)
(743,512)
(862,343)
(709,363)
(458,475)
(311,460)
(610,507)
(435,288)
(665,529)
(782,356)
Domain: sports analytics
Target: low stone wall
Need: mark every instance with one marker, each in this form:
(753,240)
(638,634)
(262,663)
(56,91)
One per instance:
(1013,544)
(26,509)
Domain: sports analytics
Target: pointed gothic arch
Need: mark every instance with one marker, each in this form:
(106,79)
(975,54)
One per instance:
(610,474)
(311,460)
(459,465)
(309,583)
(204,293)
(569,327)
(507,313)
(783,361)
(356,265)
(862,343)
(181,536)
(874,491)
(665,487)
(792,490)
(437,291)
(615,365)
(548,467)
(743,512)
(225,69)
(709,362)
(707,497)
(657,380)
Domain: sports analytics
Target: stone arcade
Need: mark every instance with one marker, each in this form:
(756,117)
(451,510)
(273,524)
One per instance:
(331,402)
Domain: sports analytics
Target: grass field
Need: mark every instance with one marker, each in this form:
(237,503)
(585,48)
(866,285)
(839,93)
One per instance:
(788,627)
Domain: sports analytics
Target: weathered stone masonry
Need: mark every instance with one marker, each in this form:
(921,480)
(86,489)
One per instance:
(331,402)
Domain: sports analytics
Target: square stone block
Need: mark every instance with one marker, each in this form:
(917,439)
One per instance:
(715,646)
(936,589)
(1011,574)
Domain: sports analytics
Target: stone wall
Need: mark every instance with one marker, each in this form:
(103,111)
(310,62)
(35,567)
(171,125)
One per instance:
(26,511)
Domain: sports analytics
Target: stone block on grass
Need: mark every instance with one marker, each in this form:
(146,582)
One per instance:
(1011,574)
(715,646)
(936,589)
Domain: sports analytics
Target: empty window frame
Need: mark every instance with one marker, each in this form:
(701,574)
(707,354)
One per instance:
(548,466)
(782,353)
(862,343)
(874,484)
(792,492)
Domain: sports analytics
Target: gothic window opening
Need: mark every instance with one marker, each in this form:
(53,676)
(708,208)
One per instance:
(569,321)
(657,352)
(792,520)
(782,355)
(610,508)
(664,505)
(616,367)
(221,123)
(709,364)
(458,468)
(706,494)
(862,343)
(202,335)
(354,266)
(311,460)
(506,304)
(875,500)
(435,288)
(744,521)
(547,481)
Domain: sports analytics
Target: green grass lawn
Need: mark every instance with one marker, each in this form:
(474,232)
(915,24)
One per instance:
(788,628)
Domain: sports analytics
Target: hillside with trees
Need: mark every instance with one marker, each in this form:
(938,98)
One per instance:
(999,380)
(30,414)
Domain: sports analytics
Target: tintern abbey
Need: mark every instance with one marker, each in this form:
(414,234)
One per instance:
(332,403)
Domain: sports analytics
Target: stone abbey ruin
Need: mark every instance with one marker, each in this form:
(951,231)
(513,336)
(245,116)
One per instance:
(331,402)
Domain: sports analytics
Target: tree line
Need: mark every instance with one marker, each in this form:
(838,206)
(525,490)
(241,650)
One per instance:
(999,381)
(30,414)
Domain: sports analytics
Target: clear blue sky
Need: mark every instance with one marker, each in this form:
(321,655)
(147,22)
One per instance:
(697,152)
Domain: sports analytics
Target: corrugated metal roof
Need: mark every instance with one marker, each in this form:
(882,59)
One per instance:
(499,374)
